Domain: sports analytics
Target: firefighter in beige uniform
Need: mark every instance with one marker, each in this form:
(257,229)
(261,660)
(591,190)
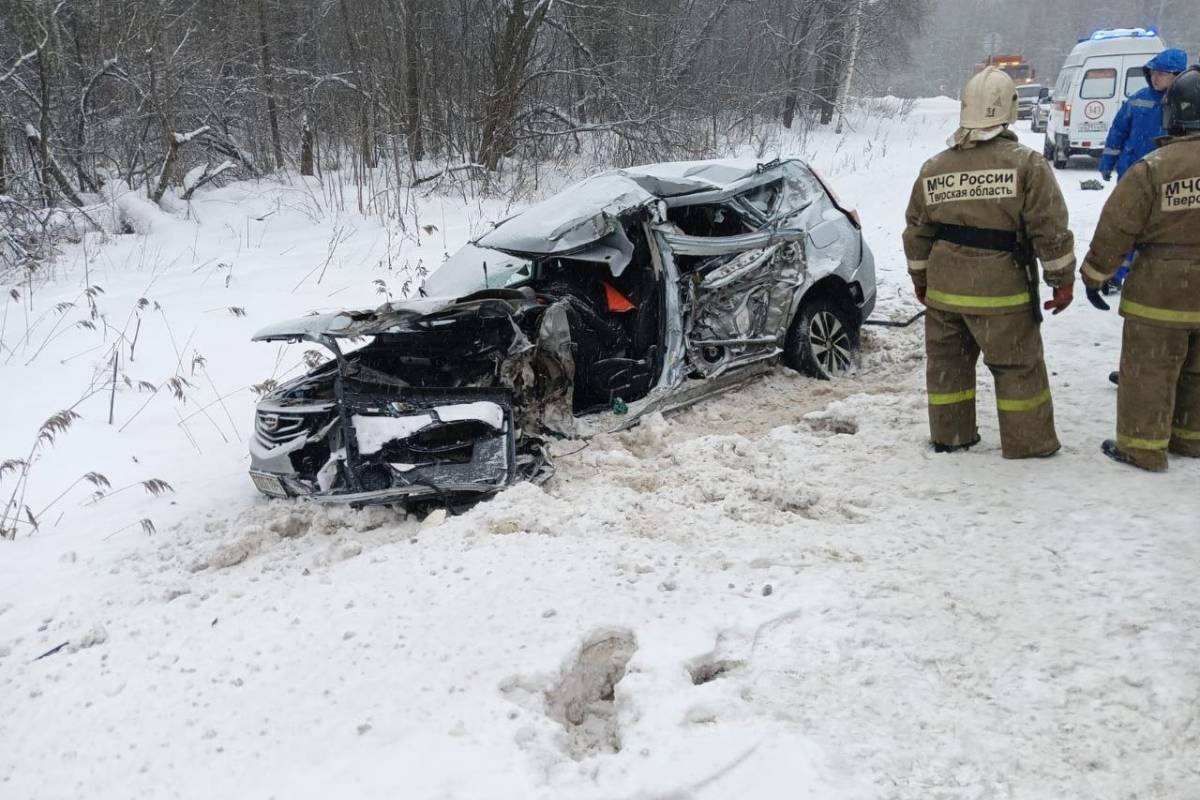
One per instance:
(971,208)
(1156,209)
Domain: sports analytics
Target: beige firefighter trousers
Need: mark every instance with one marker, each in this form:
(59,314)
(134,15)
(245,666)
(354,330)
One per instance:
(1158,399)
(1012,349)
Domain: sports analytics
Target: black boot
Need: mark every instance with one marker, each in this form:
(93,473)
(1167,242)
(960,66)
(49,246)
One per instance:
(1110,449)
(1114,378)
(938,447)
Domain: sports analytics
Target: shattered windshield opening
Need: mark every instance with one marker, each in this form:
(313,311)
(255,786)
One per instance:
(797,191)
(765,198)
(473,269)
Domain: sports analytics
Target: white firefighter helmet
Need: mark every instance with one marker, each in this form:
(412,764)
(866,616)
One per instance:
(989,99)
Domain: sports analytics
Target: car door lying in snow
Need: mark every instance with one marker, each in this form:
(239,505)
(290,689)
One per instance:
(738,288)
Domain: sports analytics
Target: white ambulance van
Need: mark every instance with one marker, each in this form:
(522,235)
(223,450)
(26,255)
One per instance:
(1100,74)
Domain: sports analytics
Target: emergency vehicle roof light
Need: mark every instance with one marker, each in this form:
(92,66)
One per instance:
(1120,33)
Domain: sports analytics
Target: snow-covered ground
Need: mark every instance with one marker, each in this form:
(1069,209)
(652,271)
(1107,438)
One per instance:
(793,596)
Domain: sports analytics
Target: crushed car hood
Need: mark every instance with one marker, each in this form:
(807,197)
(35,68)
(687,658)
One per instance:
(388,317)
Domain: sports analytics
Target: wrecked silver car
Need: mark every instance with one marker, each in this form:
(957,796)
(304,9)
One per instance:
(634,291)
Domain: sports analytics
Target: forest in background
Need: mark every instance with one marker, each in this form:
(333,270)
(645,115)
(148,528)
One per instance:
(165,96)
(99,97)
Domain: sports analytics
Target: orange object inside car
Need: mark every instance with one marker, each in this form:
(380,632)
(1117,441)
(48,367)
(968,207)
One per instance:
(616,302)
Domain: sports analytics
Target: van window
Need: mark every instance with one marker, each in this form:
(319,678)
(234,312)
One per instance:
(1063,88)
(1098,84)
(1135,81)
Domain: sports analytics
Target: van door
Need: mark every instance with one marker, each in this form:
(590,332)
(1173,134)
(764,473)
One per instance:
(1100,94)
(1062,99)
(1135,76)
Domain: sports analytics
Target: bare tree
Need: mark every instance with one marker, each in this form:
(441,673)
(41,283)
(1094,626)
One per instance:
(521,22)
(268,75)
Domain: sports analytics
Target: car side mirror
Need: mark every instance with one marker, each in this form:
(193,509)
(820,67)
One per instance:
(1044,94)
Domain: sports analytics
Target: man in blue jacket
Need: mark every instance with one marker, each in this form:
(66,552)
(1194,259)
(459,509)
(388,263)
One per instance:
(1139,122)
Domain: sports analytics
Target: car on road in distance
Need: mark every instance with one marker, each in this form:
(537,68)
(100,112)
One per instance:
(1027,96)
(1041,110)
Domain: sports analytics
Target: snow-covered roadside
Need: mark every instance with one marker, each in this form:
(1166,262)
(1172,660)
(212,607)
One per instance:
(802,599)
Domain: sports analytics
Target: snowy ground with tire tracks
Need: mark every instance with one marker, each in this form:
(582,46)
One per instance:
(778,593)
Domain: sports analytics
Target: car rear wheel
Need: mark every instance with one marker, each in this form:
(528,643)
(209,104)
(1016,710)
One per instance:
(1061,156)
(823,340)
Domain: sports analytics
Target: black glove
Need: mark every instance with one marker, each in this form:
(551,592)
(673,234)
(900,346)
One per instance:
(1094,297)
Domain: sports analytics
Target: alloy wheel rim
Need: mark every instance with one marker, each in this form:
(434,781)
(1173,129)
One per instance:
(830,343)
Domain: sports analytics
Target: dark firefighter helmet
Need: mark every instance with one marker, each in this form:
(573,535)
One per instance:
(1181,107)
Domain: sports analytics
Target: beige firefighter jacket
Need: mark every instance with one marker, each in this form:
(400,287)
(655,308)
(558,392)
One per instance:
(998,184)
(1155,208)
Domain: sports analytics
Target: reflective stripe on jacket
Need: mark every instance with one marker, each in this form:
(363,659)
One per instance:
(999,185)
(1155,209)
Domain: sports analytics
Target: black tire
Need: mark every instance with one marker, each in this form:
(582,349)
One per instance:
(823,340)
(1061,157)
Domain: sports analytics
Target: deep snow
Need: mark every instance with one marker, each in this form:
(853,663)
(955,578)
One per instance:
(793,596)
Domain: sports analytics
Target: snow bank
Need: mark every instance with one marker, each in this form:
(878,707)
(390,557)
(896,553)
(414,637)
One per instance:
(132,211)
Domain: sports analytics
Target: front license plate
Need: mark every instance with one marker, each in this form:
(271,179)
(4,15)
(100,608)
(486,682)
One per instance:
(268,484)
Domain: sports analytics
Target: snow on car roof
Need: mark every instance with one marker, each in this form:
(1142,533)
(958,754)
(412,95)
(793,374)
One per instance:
(586,212)
(683,177)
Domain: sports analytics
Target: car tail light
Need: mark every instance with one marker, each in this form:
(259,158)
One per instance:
(1066,115)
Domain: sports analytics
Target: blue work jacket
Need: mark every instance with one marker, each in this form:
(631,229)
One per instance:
(1139,122)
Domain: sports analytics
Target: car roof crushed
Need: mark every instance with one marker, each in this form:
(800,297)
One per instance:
(581,221)
(557,227)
